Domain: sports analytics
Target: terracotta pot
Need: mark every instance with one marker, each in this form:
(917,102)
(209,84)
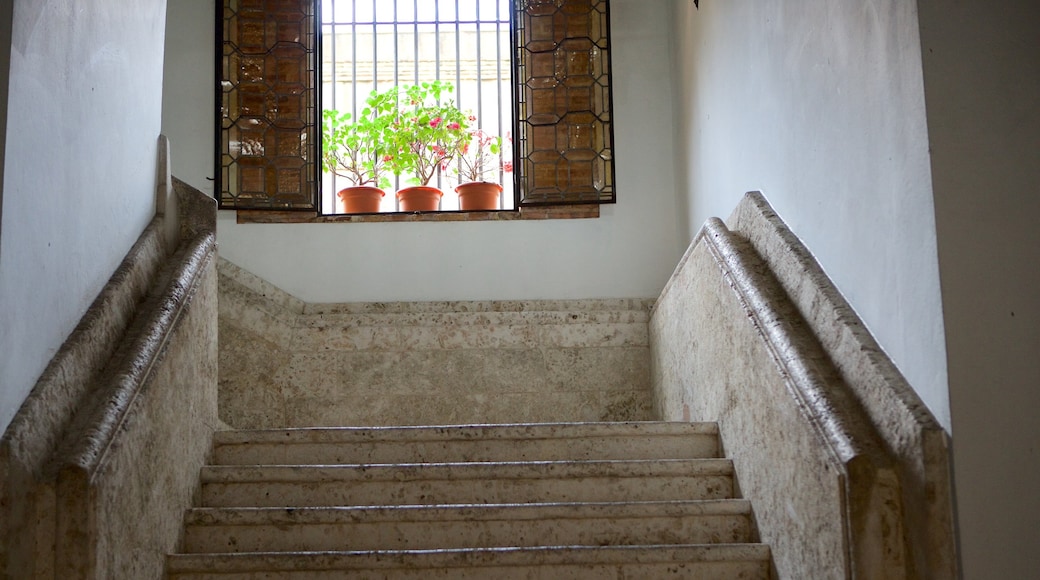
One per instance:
(478,195)
(361,199)
(420,198)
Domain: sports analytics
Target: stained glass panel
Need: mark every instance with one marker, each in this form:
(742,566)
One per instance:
(268,105)
(564,132)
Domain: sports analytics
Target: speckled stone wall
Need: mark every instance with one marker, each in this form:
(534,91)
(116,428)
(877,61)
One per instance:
(846,469)
(141,483)
(917,442)
(28,445)
(284,363)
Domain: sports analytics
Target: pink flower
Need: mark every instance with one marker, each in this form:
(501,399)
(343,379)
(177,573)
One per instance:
(507,166)
(454,126)
(388,158)
(434,123)
(472,118)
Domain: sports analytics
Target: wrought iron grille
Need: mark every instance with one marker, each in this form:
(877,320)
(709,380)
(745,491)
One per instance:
(377,44)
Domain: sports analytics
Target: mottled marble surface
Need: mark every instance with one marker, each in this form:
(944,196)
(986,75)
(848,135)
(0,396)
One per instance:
(27,448)
(284,363)
(728,345)
(103,456)
(484,501)
(916,440)
(120,493)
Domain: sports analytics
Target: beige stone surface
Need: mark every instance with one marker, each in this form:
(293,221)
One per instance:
(289,364)
(575,500)
(28,444)
(918,444)
(726,345)
(464,483)
(468,526)
(101,458)
(118,505)
(716,562)
(506,442)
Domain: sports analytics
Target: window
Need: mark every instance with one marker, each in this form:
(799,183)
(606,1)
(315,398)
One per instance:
(465,44)
(270,90)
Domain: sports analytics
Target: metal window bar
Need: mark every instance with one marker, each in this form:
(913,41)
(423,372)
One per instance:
(428,22)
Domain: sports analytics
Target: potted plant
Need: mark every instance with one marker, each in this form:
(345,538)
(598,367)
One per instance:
(427,134)
(358,151)
(480,159)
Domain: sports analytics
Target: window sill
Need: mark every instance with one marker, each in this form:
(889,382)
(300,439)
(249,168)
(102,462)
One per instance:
(556,212)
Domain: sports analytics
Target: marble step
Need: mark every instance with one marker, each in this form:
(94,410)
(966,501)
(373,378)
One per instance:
(706,562)
(466,526)
(463,483)
(526,442)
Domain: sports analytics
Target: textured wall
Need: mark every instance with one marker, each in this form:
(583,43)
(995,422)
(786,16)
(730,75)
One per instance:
(825,496)
(150,472)
(286,363)
(27,448)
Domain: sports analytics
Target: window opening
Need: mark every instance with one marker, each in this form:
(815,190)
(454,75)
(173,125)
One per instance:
(452,55)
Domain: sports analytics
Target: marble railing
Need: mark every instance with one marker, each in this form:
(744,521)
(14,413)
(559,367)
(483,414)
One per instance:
(103,457)
(847,470)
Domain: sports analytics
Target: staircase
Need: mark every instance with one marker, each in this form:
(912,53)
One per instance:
(571,500)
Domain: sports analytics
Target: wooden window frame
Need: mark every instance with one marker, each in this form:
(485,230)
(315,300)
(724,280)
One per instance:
(563,154)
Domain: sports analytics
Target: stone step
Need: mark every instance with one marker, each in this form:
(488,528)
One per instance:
(464,483)
(466,526)
(526,442)
(706,562)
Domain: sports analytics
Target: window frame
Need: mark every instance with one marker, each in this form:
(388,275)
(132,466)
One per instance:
(524,175)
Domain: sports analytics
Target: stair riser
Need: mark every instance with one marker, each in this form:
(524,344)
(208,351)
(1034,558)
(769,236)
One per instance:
(550,501)
(467,534)
(692,446)
(383,492)
(699,570)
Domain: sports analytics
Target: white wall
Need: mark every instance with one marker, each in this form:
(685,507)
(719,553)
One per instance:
(628,252)
(79,168)
(982,87)
(820,104)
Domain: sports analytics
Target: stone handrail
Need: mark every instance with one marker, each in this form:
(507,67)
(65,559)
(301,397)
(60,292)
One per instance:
(103,457)
(730,346)
(912,436)
(873,520)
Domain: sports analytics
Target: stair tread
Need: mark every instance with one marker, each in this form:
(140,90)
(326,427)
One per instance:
(476,432)
(464,512)
(467,470)
(650,499)
(446,558)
